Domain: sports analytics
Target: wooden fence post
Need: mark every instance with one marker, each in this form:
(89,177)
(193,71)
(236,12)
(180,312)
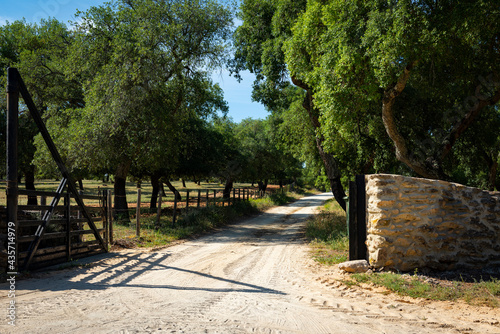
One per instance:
(206,201)
(158,213)
(215,197)
(110,217)
(138,214)
(198,201)
(104,213)
(187,201)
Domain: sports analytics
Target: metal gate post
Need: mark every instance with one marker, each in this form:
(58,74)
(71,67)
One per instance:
(12,187)
(357,219)
(351,214)
(361,217)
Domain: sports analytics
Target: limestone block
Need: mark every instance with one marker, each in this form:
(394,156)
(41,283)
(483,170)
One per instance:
(357,266)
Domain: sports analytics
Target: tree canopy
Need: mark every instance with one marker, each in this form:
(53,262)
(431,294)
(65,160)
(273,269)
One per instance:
(407,87)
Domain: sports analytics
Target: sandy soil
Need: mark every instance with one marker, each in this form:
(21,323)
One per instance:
(253,277)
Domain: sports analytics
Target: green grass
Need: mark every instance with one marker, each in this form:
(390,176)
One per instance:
(484,292)
(327,233)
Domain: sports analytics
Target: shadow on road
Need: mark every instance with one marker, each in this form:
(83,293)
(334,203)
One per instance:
(123,272)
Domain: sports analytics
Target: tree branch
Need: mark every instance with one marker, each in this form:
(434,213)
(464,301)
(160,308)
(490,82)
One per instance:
(391,128)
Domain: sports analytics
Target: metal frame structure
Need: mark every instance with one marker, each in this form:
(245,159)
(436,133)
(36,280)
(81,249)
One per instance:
(15,89)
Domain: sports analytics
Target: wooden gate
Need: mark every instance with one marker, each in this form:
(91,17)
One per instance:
(68,237)
(46,234)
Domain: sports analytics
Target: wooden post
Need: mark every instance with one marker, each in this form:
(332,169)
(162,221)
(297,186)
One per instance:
(158,213)
(175,210)
(104,218)
(12,163)
(67,202)
(239,194)
(110,217)
(215,197)
(229,199)
(198,201)
(234,195)
(138,214)
(207,198)
(187,201)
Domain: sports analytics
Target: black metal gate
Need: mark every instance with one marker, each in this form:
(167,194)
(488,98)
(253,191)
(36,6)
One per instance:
(46,234)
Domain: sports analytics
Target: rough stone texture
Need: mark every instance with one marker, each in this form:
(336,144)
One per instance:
(421,223)
(356,266)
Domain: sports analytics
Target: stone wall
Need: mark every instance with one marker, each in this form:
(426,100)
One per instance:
(421,223)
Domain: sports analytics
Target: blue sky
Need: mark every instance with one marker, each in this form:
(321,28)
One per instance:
(238,95)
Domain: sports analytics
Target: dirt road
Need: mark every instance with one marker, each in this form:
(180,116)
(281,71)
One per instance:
(252,277)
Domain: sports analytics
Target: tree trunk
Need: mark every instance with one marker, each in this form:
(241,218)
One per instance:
(493,175)
(492,170)
(29,178)
(121,207)
(429,168)
(80,184)
(155,183)
(172,189)
(183,183)
(329,161)
(228,187)
(262,185)
(333,174)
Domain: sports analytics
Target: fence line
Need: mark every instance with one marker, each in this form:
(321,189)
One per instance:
(188,203)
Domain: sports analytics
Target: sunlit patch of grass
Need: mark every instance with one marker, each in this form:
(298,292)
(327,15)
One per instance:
(327,232)
(484,293)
